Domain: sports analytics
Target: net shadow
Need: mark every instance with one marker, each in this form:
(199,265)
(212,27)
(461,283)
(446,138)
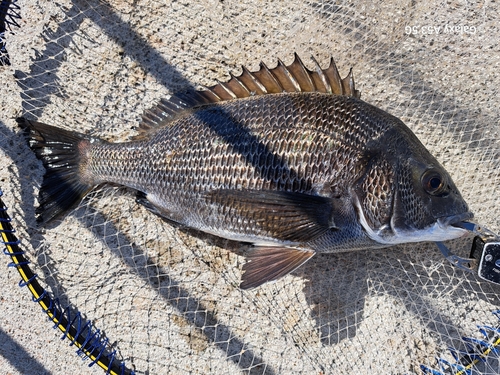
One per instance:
(18,357)
(234,348)
(474,128)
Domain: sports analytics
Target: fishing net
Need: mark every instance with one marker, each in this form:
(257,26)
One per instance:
(161,299)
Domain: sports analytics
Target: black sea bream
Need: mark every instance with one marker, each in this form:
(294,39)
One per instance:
(288,159)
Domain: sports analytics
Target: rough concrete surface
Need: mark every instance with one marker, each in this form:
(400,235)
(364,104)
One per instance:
(167,299)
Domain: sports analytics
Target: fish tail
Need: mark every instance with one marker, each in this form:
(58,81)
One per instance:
(64,155)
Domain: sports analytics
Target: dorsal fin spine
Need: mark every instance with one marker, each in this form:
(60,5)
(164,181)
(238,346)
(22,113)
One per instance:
(214,94)
(292,78)
(255,81)
(208,96)
(227,89)
(334,77)
(241,86)
(169,106)
(305,73)
(322,76)
(287,76)
(265,70)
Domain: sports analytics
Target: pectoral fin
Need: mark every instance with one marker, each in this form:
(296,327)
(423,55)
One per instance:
(270,263)
(284,216)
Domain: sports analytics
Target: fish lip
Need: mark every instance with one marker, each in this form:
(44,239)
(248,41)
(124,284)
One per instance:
(454,220)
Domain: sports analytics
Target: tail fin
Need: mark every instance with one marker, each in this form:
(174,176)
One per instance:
(61,152)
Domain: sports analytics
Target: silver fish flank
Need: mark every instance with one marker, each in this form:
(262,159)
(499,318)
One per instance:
(287,159)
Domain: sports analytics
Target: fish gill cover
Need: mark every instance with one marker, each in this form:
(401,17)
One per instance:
(168,299)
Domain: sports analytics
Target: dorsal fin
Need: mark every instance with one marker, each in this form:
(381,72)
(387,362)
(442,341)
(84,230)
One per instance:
(292,78)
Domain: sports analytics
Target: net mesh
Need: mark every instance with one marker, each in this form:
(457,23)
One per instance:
(167,298)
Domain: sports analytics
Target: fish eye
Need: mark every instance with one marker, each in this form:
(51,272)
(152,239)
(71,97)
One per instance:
(434,183)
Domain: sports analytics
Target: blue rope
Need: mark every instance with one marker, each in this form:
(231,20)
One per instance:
(429,371)
(39,298)
(477,350)
(6,252)
(30,280)
(10,243)
(18,264)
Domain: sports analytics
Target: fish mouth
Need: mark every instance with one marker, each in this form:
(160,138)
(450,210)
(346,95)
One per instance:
(457,221)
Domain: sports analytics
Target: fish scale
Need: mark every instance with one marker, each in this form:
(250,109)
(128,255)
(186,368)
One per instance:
(261,170)
(304,167)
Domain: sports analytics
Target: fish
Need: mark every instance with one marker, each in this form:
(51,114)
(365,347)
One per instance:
(289,160)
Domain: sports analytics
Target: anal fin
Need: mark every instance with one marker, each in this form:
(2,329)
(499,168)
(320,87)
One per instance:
(266,264)
(143,200)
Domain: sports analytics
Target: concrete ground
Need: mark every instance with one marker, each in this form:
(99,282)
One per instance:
(168,300)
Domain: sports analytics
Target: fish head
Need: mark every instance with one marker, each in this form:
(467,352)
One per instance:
(427,203)
(416,200)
